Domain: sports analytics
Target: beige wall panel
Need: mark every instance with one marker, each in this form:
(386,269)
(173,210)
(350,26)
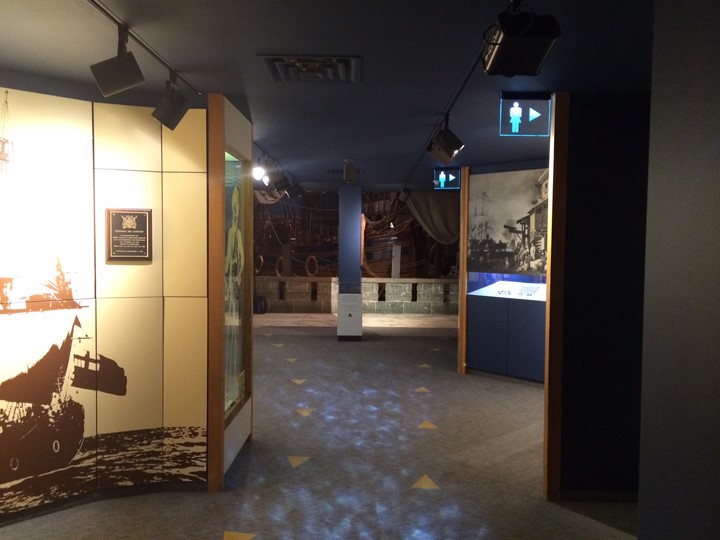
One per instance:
(128,190)
(185,365)
(47,194)
(185,234)
(184,149)
(130,331)
(126,138)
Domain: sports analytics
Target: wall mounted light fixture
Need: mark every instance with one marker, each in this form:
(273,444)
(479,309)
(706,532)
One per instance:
(445,145)
(173,105)
(120,72)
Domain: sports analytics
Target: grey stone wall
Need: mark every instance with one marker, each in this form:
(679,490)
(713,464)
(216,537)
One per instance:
(295,294)
(379,295)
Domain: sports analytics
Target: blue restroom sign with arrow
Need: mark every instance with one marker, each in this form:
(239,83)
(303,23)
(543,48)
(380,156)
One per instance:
(523,117)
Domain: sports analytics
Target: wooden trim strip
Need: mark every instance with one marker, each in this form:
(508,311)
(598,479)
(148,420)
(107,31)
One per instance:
(462,271)
(216,281)
(554,316)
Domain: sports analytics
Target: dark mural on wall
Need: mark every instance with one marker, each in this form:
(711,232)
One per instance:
(44,453)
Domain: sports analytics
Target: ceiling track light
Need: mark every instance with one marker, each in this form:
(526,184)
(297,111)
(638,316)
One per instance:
(445,145)
(172,106)
(294,191)
(120,72)
(518,42)
(124,32)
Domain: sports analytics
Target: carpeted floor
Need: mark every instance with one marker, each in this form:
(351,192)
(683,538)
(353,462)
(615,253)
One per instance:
(378,438)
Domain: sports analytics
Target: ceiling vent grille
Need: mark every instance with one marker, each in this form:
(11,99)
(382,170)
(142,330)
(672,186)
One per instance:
(335,69)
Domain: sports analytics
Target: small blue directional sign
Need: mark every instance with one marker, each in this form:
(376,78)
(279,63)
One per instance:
(522,116)
(447,178)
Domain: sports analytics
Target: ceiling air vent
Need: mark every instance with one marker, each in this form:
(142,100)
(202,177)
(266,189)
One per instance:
(336,69)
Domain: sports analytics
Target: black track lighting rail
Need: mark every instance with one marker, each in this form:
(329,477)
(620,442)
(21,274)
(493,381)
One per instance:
(143,45)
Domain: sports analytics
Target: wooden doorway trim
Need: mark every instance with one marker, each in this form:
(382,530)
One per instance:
(554,315)
(462,271)
(216,293)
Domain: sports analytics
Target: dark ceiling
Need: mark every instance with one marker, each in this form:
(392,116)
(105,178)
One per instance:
(414,62)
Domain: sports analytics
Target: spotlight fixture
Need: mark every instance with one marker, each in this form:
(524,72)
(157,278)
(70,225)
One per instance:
(294,191)
(119,73)
(258,172)
(279,183)
(445,145)
(172,106)
(519,42)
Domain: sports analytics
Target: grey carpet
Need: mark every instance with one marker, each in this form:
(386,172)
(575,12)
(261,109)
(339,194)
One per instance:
(372,439)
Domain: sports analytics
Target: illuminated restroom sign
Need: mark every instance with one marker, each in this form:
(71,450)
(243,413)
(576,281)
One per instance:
(524,115)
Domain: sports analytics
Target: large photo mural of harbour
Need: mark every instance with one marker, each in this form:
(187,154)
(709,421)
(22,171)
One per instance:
(81,377)
(507,222)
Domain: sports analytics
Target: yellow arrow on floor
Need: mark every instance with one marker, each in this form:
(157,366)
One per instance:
(424,365)
(427,425)
(291,360)
(436,349)
(296,461)
(421,389)
(304,412)
(425,483)
(238,536)
(299,381)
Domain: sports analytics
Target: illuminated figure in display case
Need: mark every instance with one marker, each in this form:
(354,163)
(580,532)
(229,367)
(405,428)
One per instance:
(234,257)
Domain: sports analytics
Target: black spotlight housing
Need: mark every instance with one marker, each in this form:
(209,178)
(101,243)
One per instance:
(294,191)
(279,182)
(172,106)
(445,145)
(519,42)
(119,73)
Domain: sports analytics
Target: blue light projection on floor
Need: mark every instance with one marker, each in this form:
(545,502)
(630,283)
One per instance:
(372,470)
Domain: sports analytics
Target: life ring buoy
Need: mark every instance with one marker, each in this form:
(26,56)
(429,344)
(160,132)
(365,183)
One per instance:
(56,446)
(311,261)
(278,266)
(259,263)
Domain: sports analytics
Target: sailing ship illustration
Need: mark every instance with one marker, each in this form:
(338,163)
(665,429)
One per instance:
(41,425)
(58,294)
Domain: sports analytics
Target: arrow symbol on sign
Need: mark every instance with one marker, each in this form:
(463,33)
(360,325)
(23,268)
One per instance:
(533,114)
(451,177)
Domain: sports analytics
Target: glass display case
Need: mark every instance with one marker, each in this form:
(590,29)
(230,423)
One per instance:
(236,362)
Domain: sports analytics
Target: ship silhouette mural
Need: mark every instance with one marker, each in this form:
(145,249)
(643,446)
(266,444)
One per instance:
(41,425)
(51,374)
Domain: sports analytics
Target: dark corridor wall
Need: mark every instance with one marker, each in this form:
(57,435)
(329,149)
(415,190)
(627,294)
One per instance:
(603,305)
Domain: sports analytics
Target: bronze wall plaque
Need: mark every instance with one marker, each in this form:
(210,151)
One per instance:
(129,235)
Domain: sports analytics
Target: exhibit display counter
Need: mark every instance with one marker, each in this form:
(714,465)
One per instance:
(506,329)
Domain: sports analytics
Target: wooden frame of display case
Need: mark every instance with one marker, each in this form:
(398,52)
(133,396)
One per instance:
(221,135)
